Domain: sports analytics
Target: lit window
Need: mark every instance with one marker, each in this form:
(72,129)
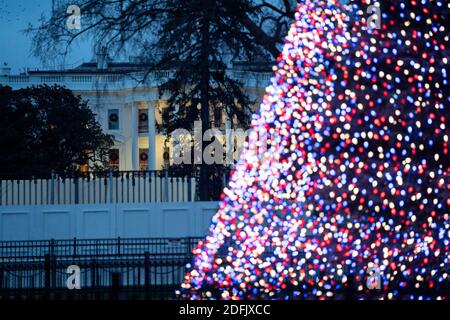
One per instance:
(114,159)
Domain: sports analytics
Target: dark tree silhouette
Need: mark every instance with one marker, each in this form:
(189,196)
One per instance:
(48,128)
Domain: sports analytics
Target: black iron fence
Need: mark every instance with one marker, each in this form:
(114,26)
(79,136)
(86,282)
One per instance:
(109,268)
(104,187)
(150,269)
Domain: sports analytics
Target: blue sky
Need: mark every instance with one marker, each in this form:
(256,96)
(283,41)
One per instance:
(15,49)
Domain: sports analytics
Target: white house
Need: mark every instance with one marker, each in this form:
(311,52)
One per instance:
(127,108)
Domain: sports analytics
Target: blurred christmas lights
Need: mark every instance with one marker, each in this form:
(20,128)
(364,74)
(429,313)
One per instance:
(356,176)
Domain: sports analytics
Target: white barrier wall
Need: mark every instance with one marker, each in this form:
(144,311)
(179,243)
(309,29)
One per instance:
(184,219)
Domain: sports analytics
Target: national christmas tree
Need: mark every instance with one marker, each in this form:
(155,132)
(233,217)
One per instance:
(343,190)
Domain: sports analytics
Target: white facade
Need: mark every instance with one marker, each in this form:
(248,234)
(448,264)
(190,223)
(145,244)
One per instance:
(115,92)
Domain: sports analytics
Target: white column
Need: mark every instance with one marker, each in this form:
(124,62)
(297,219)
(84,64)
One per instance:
(134,137)
(151,135)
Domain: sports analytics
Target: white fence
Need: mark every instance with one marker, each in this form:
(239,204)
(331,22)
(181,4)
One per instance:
(123,187)
(101,221)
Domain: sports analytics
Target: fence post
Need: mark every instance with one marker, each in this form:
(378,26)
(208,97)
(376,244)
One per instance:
(1,278)
(94,281)
(197,188)
(77,192)
(110,185)
(189,187)
(51,247)
(75,247)
(116,282)
(146,273)
(52,188)
(349,292)
(166,186)
(52,263)
(190,247)
(47,271)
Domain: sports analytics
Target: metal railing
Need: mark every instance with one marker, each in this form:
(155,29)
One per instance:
(109,268)
(103,187)
(152,268)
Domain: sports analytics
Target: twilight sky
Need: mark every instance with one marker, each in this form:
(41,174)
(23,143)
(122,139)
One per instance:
(15,47)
